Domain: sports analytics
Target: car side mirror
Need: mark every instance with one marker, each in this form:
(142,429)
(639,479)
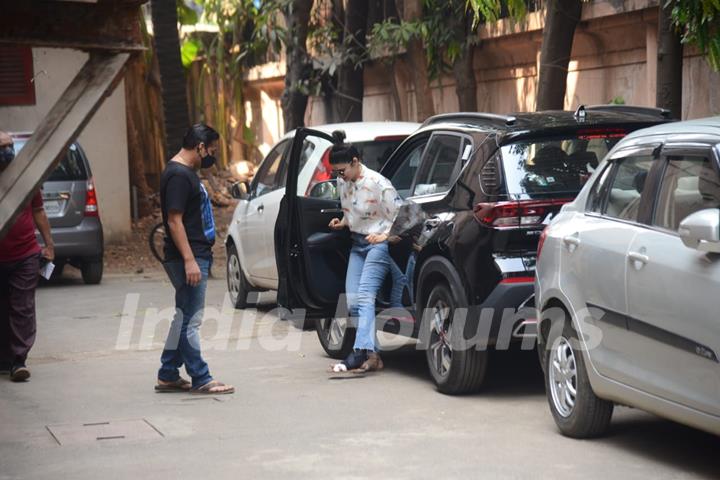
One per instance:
(326,190)
(701,230)
(239,190)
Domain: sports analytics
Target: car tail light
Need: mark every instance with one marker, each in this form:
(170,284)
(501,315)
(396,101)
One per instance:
(91,204)
(541,241)
(599,133)
(322,173)
(521,213)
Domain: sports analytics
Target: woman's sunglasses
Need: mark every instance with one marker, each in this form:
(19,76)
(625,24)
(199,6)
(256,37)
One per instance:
(341,171)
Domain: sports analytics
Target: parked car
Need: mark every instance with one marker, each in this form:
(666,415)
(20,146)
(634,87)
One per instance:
(627,285)
(488,183)
(71,205)
(250,242)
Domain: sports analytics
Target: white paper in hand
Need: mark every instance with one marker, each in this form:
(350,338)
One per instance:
(46,270)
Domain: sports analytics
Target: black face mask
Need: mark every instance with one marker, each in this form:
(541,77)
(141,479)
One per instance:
(207,161)
(7,155)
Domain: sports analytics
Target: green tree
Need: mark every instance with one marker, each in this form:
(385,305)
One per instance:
(698,21)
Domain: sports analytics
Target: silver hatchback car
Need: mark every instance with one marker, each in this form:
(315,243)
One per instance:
(628,285)
(71,204)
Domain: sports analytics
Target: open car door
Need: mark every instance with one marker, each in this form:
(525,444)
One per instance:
(311,258)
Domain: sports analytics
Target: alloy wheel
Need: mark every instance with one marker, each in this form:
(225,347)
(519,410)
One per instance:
(234,273)
(334,330)
(440,338)
(563,377)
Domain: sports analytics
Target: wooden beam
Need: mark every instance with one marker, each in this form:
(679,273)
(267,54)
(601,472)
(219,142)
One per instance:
(76,106)
(106,25)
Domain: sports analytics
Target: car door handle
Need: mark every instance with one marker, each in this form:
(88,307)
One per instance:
(260,208)
(637,257)
(331,210)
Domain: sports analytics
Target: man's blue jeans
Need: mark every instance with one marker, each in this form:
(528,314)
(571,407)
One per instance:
(183,343)
(367,268)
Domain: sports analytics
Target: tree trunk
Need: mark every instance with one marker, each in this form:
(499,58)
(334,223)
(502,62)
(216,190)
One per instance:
(350,85)
(294,98)
(140,146)
(463,70)
(172,76)
(561,19)
(669,65)
(417,63)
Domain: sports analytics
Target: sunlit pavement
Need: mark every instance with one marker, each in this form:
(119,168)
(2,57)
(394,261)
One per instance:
(89,410)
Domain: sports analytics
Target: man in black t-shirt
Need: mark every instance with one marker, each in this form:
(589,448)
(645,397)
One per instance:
(190,235)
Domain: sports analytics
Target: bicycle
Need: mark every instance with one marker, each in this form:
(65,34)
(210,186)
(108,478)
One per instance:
(156,241)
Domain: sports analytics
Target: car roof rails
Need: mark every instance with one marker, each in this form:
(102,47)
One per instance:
(653,111)
(472,117)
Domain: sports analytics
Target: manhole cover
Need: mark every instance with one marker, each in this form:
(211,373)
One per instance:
(104,432)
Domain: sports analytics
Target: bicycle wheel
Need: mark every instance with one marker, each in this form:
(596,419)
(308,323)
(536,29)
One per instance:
(156,241)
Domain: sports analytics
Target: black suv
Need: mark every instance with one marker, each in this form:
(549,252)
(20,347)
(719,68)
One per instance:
(488,185)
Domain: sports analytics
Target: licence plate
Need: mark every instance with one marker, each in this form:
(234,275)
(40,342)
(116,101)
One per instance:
(52,207)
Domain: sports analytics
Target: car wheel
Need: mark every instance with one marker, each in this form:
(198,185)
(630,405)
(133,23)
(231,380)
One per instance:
(238,286)
(577,411)
(336,336)
(92,271)
(454,370)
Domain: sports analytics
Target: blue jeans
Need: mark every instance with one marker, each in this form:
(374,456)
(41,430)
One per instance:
(401,280)
(183,343)
(367,268)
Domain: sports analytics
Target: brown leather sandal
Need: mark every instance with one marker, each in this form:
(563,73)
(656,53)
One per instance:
(179,385)
(207,389)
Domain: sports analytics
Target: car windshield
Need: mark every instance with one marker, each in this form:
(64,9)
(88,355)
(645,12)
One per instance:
(70,168)
(375,153)
(554,166)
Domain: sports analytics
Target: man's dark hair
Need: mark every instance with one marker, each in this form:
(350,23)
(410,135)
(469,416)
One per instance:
(342,152)
(197,134)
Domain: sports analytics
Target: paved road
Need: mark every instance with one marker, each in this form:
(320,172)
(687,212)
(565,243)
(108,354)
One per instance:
(93,372)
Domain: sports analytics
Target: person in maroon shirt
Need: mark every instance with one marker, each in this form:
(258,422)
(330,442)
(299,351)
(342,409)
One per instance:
(20,256)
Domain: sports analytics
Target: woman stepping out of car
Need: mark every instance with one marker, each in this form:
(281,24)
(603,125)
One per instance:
(370,204)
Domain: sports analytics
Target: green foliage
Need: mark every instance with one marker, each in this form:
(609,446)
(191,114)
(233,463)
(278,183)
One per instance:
(490,10)
(186,15)
(699,22)
(441,30)
(619,100)
(188,51)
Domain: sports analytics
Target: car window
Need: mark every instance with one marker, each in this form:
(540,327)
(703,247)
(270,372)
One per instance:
(375,153)
(268,176)
(627,185)
(554,166)
(598,192)
(403,177)
(70,168)
(440,165)
(689,184)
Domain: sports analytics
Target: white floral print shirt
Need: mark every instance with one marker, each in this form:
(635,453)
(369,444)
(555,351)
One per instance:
(370,204)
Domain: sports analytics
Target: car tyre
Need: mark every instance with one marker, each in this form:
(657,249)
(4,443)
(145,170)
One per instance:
(238,286)
(454,370)
(582,414)
(92,271)
(336,335)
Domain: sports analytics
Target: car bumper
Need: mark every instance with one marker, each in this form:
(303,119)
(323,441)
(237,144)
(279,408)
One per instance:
(83,240)
(507,314)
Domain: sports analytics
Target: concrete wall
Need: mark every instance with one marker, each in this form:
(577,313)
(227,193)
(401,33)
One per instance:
(614,55)
(104,139)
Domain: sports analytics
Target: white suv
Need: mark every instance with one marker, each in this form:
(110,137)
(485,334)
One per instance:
(250,242)
(627,285)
